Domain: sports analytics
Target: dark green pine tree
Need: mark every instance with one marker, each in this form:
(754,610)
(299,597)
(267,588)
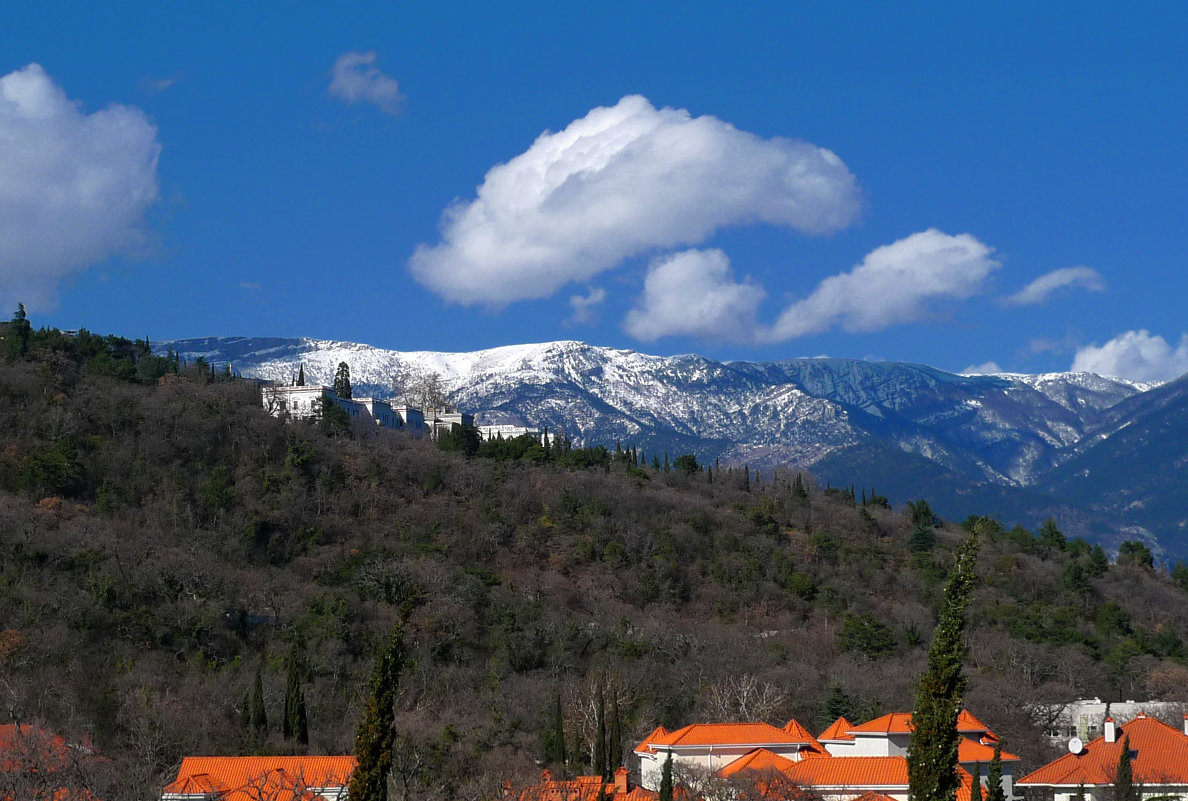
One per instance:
(994,790)
(342,380)
(1124,789)
(301,375)
(837,704)
(655,462)
(746,478)
(932,748)
(799,493)
(375,736)
(600,734)
(975,792)
(245,713)
(1079,795)
(709,473)
(666,779)
(259,716)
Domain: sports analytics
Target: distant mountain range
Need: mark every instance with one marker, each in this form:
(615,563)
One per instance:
(1104,456)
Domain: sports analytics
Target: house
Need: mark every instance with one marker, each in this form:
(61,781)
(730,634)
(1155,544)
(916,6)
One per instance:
(710,747)
(307,402)
(1159,763)
(506,431)
(583,788)
(1084,717)
(36,763)
(299,778)
(847,761)
(442,421)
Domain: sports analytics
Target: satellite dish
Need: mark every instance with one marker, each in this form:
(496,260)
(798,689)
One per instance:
(1075,746)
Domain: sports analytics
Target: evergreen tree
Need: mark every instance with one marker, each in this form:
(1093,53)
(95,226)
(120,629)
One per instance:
(342,380)
(615,744)
(666,779)
(666,461)
(600,734)
(932,748)
(1124,789)
(746,478)
(16,338)
(799,493)
(1079,795)
(837,704)
(975,792)
(375,735)
(994,790)
(302,720)
(655,462)
(301,375)
(259,716)
(709,472)
(553,738)
(293,696)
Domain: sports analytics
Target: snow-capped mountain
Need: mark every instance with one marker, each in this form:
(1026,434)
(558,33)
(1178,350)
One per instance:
(1004,428)
(1021,447)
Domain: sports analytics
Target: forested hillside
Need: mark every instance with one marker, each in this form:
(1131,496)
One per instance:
(163,542)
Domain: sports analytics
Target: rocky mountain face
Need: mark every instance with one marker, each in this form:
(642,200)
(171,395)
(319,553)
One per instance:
(1000,444)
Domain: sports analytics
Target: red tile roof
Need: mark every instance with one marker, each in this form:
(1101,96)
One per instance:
(588,788)
(892,723)
(243,778)
(871,795)
(838,730)
(760,759)
(968,724)
(798,731)
(974,751)
(858,772)
(1159,755)
(656,736)
(756,734)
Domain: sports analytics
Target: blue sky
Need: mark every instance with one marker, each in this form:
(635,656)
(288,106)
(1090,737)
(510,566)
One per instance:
(940,183)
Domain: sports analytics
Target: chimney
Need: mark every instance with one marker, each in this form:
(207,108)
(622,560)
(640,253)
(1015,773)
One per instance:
(1186,724)
(621,781)
(1111,731)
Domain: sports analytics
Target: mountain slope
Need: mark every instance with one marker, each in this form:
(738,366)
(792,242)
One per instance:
(977,443)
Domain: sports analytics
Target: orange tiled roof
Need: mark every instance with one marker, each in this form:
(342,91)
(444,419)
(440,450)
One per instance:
(838,730)
(901,723)
(871,795)
(757,734)
(585,788)
(1159,756)
(974,751)
(760,759)
(242,778)
(886,772)
(891,723)
(656,736)
(968,724)
(794,728)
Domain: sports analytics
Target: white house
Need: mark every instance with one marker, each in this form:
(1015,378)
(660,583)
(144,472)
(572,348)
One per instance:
(305,403)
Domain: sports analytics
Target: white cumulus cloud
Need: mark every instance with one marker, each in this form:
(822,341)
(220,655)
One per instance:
(1042,288)
(356,79)
(985,368)
(585,307)
(694,293)
(1136,355)
(621,181)
(74,187)
(894,284)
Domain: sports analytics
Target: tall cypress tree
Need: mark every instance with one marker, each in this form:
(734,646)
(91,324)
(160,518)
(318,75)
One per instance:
(615,744)
(666,779)
(1124,789)
(259,716)
(294,701)
(932,748)
(994,790)
(375,736)
(301,375)
(553,738)
(975,792)
(600,734)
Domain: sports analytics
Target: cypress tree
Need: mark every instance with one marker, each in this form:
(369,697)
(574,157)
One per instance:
(301,375)
(615,744)
(302,720)
(710,475)
(932,748)
(666,461)
(375,736)
(1124,789)
(553,737)
(666,779)
(975,792)
(746,478)
(1079,795)
(994,776)
(259,716)
(293,696)
(837,705)
(600,734)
